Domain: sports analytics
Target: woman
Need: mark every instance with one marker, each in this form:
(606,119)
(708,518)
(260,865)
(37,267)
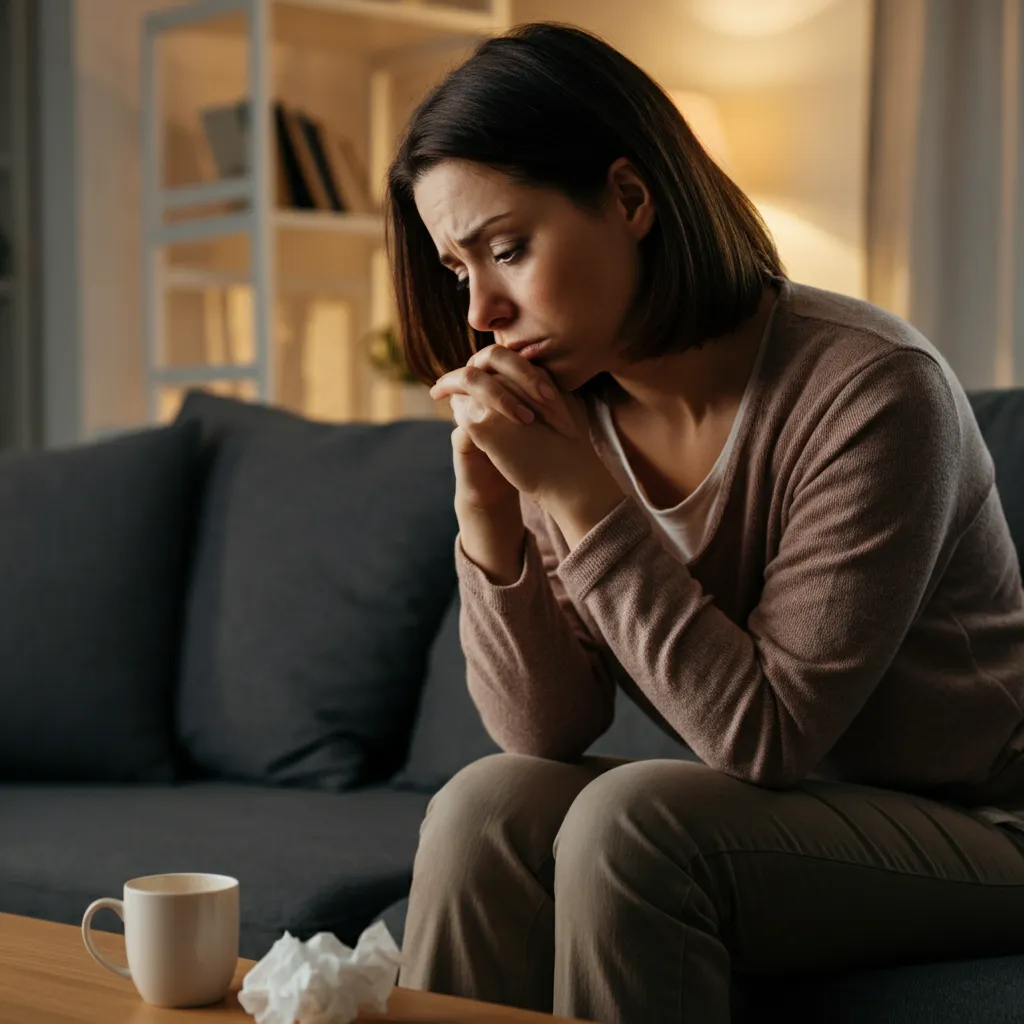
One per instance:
(763,510)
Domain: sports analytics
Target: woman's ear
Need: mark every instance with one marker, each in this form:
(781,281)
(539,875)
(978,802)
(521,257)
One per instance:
(631,198)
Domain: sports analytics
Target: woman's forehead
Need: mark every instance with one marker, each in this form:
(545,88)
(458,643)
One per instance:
(454,181)
(457,205)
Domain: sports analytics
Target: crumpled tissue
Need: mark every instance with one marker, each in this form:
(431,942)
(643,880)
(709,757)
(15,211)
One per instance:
(322,981)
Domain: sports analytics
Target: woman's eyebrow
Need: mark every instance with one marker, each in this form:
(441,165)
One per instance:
(473,236)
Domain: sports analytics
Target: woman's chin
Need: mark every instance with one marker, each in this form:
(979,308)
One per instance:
(564,374)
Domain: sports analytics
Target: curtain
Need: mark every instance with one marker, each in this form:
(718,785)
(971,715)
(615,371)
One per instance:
(945,233)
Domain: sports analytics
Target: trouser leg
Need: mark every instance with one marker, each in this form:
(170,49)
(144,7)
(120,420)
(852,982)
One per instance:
(481,917)
(670,875)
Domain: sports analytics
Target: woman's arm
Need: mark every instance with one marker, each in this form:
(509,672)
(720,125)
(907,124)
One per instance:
(871,508)
(534,670)
(492,539)
(542,683)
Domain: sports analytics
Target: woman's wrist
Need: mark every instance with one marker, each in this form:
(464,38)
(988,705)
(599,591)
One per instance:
(577,510)
(492,539)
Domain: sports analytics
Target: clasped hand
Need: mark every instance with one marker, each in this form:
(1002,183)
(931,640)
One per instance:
(535,435)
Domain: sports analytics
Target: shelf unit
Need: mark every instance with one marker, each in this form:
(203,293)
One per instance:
(17,395)
(389,38)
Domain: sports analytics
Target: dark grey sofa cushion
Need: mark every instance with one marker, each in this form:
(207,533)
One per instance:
(92,574)
(449,734)
(984,991)
(324,562)
(1000,415)
(305,861)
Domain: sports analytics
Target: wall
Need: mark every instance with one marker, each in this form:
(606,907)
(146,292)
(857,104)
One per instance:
(59,303)
(109,189)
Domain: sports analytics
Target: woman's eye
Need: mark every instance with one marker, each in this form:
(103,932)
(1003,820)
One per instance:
(508,254)
(506,257)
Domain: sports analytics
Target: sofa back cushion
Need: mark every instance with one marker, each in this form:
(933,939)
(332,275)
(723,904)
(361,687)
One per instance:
(92,575)
(323,565)
(1000,415)
(448,733)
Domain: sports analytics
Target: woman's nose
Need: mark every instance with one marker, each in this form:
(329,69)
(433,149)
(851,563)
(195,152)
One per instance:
(489,306)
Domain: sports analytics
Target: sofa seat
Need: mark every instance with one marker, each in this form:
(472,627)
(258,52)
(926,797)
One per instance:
(306,861)
(985,991)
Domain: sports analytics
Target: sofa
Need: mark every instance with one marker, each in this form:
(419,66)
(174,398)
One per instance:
(230,644)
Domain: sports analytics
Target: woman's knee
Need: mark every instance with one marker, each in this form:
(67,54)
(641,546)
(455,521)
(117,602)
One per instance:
(661,810)
(508,800)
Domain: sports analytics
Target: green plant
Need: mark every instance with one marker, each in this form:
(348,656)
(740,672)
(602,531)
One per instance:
(387,356)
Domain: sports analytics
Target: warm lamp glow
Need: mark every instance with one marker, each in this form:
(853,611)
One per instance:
(701,113)
(812,255)
(753,18)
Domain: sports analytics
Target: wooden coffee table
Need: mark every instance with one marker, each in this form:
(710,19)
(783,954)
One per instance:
(47,977)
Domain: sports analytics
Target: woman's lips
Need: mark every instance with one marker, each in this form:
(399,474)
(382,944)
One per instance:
(531,350)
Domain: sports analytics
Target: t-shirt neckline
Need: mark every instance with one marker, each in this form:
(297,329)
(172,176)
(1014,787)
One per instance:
(718,470)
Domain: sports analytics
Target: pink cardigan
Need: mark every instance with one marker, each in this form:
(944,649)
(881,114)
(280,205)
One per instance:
(855,613)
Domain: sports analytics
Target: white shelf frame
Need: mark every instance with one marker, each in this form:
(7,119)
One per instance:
(179,278)
(261,221)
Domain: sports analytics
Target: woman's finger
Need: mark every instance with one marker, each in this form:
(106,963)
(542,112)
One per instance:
(486,389)
(535,381)
(450,384)
(532,379)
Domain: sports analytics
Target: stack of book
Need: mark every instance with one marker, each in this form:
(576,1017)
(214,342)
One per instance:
(316,169)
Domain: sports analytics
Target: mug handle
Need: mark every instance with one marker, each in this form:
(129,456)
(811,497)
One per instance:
(117,906)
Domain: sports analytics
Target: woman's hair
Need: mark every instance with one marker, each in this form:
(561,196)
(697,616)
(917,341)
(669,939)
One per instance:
(553,106)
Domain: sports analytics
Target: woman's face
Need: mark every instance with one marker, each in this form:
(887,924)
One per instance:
(537,268)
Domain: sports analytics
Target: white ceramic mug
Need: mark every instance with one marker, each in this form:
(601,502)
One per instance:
(181,936)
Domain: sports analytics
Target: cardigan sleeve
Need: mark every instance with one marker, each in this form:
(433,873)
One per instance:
(542,682)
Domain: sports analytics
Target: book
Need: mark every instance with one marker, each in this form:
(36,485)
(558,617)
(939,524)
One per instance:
(314,133)
(284,196)
(290,161)
(348,173)
(314,168)
(227,134)
(226,128)
(314,183)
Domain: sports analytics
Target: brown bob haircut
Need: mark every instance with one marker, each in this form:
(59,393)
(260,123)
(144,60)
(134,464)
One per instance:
(553,106)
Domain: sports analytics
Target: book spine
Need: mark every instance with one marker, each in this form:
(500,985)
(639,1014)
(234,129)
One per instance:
(314,139)
(298,189)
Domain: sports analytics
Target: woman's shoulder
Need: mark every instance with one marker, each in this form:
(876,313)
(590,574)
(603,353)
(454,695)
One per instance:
(847,325)
(824,342)
(840,363)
